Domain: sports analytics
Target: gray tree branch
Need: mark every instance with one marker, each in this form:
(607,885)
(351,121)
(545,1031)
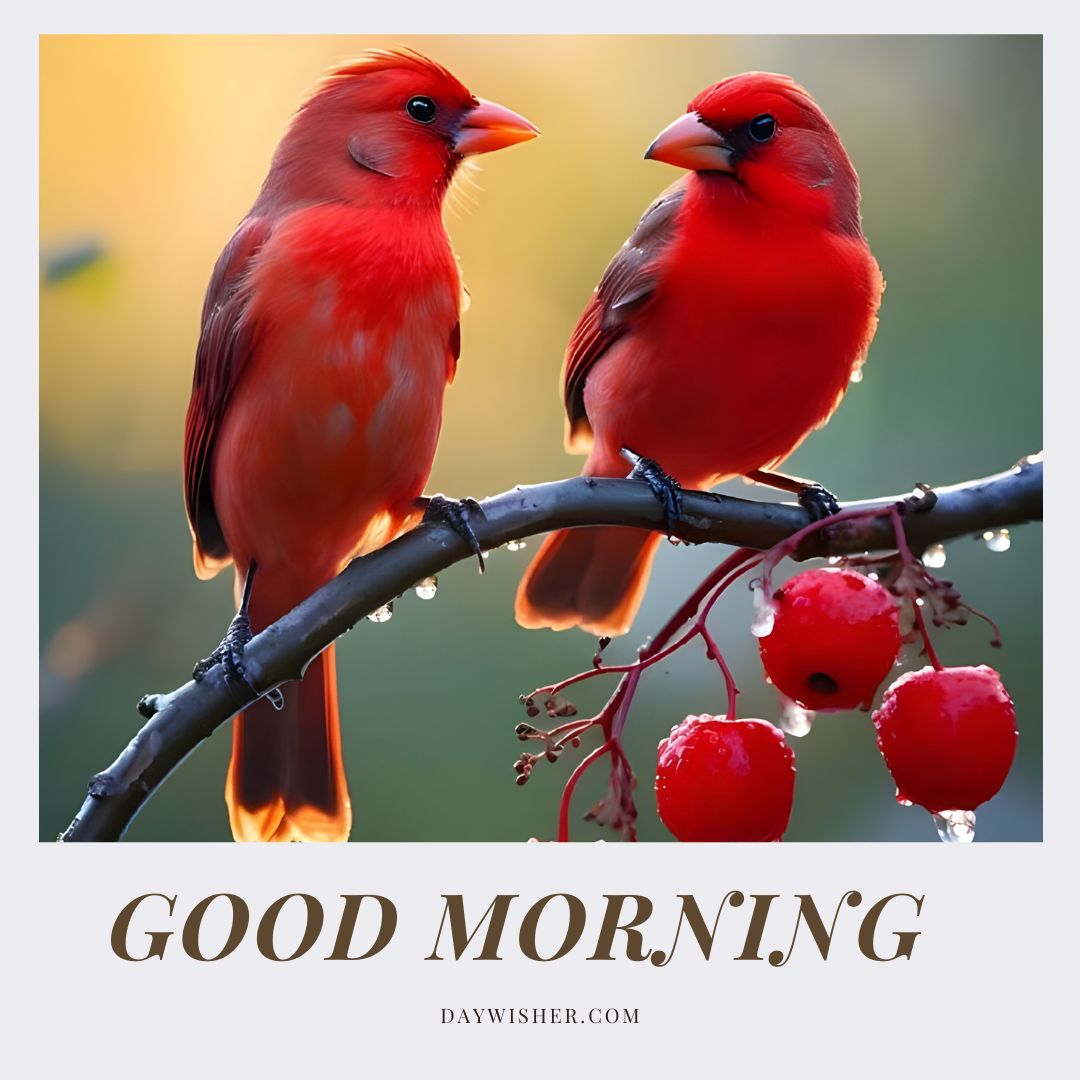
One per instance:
(184,717)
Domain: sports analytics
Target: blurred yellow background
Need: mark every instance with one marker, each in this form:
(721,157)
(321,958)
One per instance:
(153,148)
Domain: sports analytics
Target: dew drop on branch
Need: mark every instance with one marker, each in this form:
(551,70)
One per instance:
(955,826)
(764,612)
(427,587)
(383,614)
(997,539)
(515,545)
(794,719)
(934,556)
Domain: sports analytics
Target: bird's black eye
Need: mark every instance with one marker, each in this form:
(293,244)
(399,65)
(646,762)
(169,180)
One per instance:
(762,128)
(421,109)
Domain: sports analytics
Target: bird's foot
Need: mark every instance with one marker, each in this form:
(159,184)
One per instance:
(667,489)
(817,501)
(230,653)
(456,513)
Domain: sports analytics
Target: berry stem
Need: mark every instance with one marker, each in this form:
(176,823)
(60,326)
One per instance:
(910,560)
(693,602)
(657,648)
(723,587)
(614,669)
(787,547)
(995,641)
(612,717)
(901,537)
(572,729)
(563,834)
(729,680)
(928,645)
(619,720)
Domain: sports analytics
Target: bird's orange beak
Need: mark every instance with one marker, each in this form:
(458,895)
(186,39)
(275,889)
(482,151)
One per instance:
(491,127)
(690,143)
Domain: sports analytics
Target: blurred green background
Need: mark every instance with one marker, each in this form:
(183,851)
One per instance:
(152,148)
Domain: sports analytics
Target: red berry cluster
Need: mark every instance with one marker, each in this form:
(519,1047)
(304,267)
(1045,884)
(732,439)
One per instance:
(828,639)
(948,735)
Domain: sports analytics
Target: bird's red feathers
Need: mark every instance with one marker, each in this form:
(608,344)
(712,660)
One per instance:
(353,133)
(329,333)
(224,347)
(625,289)
(724,331)
(357,104)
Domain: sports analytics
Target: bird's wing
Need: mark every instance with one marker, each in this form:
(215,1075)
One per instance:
(225,344)
(627,286)
(453,352)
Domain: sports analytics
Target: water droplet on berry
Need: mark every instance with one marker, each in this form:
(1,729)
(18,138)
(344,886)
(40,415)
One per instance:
(856,375)
(383,614)
(427,588)
(902,801)
(934,556)
(998,539)
(955,826)
(794,719)
(515,545)
(764,612)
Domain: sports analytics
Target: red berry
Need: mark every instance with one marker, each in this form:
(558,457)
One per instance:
(835,636)
(948,737)
(725,780)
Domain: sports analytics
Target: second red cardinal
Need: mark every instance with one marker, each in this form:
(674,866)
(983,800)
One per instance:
(726,329)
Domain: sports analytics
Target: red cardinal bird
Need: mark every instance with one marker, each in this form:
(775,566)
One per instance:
(329,332)
(725,330)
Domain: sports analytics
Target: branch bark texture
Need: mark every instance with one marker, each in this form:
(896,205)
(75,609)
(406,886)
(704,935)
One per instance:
(183,718)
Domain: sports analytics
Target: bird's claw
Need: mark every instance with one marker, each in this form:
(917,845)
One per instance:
(230,653)
(667,489)
(817,501)
(456,513)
